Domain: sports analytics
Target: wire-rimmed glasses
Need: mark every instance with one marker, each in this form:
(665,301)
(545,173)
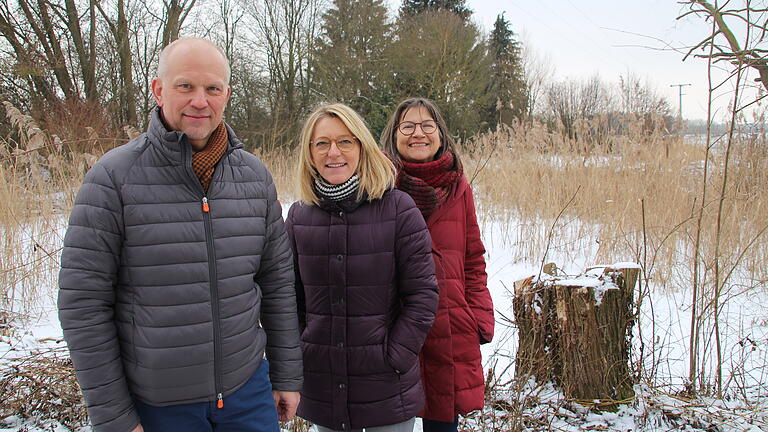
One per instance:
(344,144)
(407,128)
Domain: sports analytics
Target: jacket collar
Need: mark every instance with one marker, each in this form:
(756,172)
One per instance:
(174,143)
(348,205)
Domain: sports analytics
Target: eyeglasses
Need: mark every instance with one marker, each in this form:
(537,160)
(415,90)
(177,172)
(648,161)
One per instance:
(407,128)
(344,144)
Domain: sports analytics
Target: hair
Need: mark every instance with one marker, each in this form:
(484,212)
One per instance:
(162,62)
(376,171)
(389,135)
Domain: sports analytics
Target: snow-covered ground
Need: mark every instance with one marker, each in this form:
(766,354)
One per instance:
(663,333)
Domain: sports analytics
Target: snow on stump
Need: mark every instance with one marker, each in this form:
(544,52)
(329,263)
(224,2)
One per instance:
(576,331)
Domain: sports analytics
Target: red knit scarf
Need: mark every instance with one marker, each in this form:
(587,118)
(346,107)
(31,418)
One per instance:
(204,162)
(430,183)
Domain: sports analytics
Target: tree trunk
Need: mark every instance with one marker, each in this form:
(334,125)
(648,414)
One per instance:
(50,44)
(577,332)
(119,30)
(534,308)
(87,62)
(42,93)
(175,14)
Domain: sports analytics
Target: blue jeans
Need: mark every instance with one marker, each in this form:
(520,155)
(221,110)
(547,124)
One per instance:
(250,409)
(438,426)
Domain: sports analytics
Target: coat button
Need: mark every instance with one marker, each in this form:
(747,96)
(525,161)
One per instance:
(340,344)
(341,214)
(339,257)
(341,386)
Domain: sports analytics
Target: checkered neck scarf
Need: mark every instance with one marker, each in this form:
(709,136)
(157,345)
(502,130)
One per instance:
(204,162)
(430,183)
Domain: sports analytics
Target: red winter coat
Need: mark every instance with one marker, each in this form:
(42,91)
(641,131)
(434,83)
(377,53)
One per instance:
(451,362)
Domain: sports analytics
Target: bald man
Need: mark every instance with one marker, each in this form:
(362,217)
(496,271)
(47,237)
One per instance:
(176,290)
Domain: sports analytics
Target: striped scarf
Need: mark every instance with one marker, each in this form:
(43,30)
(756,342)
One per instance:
(430,183)
(337,192)
(204,162)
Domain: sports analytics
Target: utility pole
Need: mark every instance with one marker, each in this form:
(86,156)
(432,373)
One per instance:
(680,104)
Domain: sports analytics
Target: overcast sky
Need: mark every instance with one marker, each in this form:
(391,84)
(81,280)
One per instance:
(609,38)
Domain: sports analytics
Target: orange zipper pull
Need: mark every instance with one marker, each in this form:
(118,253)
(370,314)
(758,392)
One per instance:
(206,209)
(220,403)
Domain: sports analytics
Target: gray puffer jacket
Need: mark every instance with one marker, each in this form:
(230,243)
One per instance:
(162,301)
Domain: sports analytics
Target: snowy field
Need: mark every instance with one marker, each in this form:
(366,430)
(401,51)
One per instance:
(662,333)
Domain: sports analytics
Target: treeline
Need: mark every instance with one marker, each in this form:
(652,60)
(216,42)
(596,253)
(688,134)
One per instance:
(77,64)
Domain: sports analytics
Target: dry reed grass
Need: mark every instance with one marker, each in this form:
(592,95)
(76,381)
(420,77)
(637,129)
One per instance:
(282,164)
(644,184)
(39,177)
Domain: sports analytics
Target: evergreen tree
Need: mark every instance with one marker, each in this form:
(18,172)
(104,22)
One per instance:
(507,77)
(410,8)
(349,62)
(439,56)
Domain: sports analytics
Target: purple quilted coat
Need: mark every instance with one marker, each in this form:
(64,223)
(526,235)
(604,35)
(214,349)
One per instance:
(367,295)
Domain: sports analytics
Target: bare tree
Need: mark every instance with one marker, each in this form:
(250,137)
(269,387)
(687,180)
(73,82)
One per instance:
(118,27)
(146,46)
(538,72)
(175,13)
(286,30)
(572,100)
(640,98)
(29,67)
(231,17)
(39,19)
(740,57)
(69,55)
(86,53)
(57,41)
(725,45)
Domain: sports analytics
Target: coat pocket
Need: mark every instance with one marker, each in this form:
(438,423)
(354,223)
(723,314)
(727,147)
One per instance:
(385,352)
(399,358)
(132,341)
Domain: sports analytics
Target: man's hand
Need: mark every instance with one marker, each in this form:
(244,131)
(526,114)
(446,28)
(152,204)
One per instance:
(286,403)
(138,428)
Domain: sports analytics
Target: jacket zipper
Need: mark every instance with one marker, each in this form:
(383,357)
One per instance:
(205,208)
(214,301)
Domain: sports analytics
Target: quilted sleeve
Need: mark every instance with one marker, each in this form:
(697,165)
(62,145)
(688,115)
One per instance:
(278,306)
(476,280)
(87,280)
(416,286)
(300,302)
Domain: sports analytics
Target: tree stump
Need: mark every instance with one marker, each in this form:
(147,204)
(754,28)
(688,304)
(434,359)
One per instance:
(577,331)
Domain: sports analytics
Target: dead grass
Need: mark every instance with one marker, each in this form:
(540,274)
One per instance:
(282,164)
(526,173)
(39,177)
(42,385)
(534,407)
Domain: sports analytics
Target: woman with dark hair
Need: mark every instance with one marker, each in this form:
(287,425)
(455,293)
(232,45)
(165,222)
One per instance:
(365,280)
(430,171)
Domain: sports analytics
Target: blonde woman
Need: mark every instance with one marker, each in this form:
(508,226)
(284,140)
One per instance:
(365,281)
